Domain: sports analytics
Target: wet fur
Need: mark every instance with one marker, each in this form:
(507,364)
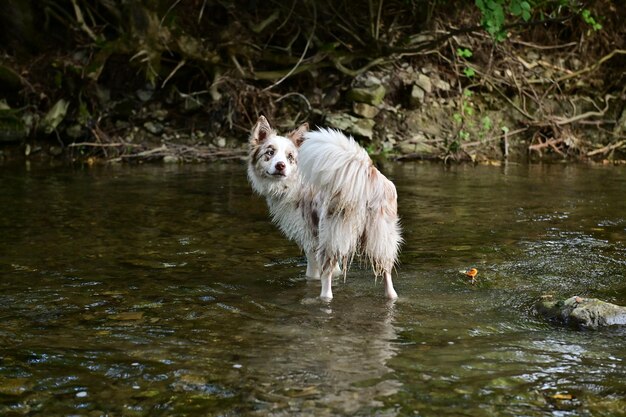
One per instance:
(324,193)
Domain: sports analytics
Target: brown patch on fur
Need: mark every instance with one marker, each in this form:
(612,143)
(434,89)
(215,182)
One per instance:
(255,153)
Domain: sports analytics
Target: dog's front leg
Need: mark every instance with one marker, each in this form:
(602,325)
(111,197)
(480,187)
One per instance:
(312,266)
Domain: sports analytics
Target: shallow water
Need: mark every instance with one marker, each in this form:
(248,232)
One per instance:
(165,291)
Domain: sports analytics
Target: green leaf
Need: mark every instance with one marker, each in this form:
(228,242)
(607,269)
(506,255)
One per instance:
(469,72)
(464,52)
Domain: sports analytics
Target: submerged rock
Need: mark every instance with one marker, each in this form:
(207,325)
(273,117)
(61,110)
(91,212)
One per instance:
(583,312)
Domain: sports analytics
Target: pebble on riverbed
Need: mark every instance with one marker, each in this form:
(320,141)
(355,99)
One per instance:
(589,313)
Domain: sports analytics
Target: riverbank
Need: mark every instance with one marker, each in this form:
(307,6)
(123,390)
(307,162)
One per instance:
(444,89)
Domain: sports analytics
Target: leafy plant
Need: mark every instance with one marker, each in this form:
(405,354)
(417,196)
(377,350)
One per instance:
(466,53)
(590,20)
(494,14)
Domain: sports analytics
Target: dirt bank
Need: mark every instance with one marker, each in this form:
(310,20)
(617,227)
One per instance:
(184,82)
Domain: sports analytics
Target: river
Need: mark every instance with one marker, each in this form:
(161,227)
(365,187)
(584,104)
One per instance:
(166,291)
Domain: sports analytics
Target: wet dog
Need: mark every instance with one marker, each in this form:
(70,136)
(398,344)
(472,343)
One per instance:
(324,193)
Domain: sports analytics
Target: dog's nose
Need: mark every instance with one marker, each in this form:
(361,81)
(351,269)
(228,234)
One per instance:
(280,166)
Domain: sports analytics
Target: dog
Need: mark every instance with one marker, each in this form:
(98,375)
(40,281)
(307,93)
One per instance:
(324,193)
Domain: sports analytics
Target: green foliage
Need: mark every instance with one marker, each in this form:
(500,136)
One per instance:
(472,123)
(494,14)
(469,72)
(590,20)
(493,17)
(464,52)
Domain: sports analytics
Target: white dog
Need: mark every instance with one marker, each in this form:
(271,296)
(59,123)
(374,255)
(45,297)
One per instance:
(324,192)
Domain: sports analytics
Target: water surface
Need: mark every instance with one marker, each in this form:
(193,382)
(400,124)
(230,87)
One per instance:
(165,291)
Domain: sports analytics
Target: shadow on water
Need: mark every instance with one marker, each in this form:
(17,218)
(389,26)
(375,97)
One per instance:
(166,291)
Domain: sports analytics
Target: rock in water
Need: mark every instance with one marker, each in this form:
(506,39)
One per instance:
(583,312)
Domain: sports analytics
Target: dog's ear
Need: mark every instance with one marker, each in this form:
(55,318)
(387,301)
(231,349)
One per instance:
(261,131)
(297,136)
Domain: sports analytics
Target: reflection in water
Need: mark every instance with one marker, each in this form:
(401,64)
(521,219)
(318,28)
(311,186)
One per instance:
(166,291)
(332,358)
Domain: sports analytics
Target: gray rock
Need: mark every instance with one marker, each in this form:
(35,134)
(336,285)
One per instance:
(416,145)
(351,124)
(153,127)
(583,312)
(220,141)
(417,95)
(423,82)
(372,95)
(365,110)
(171,159)
(441,85)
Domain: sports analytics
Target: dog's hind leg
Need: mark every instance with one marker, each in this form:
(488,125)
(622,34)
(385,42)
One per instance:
(312,266)
(390,292)
(327,285)
(326,277)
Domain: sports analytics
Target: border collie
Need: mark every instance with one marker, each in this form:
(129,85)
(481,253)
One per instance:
(324,193)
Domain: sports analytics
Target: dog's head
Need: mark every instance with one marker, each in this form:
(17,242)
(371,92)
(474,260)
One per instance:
(274,158)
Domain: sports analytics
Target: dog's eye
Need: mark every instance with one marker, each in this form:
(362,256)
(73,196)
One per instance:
(270,152)
(290,158)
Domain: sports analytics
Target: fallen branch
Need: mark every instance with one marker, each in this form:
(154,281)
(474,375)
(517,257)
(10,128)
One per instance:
(591,67)
(550,143)
(608,148)
(103,145)
(560,121)
(499,137)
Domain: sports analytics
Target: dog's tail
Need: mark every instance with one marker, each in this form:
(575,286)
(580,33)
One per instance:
(337,165)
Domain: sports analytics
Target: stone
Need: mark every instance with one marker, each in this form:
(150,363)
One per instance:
(423,82)
(372,95)
(417,96)
(220,142)
(153,127)
(55,116)
(416,145)
(351,124)
(582,312)
(441,85)
(170,159)
(364,110)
